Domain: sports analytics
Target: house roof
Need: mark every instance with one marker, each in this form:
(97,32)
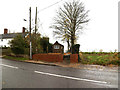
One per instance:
(56,43)
(11,35)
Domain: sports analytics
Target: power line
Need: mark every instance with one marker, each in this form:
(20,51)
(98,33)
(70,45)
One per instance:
(49,6)
(46,8)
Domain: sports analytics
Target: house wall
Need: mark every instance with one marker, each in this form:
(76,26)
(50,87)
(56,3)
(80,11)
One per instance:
(58,50)
(5,42)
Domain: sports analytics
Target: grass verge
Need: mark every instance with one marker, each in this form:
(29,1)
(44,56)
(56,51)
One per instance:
(15,58)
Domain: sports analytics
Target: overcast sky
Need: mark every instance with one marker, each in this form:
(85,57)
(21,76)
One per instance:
(100,33)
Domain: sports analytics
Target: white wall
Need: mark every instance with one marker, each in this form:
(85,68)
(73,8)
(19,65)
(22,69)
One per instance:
(5,42)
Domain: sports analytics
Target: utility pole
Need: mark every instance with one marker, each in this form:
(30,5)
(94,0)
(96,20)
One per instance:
(36,21)
(35,29)
(30,34)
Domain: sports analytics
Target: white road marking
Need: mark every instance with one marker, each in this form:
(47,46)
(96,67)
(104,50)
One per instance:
(8,66)
(74,78)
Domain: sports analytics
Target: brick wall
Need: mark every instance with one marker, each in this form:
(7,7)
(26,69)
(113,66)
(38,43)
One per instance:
(74,58)
(48,57)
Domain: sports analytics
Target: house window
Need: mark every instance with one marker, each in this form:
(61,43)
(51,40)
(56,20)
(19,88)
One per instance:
(56,46)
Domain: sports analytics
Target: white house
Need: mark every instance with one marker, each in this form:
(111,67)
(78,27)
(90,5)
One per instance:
(6,37)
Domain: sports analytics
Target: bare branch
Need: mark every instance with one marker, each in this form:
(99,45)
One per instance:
(69,21)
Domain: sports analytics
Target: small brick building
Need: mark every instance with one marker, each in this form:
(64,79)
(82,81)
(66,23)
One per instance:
(58,48)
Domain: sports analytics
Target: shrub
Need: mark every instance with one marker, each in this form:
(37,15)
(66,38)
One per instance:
(6,51)
(18,45)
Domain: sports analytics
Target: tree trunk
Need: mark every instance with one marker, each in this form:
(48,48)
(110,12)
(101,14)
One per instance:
(72,43)
(68,45)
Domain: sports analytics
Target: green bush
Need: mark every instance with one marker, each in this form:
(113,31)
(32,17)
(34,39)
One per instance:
(75,49)
(18,45)
(26,51)
(6,51)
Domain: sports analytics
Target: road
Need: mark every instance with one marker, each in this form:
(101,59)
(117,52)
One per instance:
(27,75)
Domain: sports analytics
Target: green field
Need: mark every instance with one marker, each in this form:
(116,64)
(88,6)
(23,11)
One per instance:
(100,58)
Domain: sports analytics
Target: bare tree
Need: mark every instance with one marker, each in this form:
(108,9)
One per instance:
(69,21)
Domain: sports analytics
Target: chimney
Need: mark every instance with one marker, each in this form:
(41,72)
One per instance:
(5,31)
(23,30)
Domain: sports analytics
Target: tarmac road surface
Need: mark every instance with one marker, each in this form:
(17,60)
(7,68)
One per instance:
(27,75)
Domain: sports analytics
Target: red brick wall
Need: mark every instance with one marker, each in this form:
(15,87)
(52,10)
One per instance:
(48,57)
(74,58)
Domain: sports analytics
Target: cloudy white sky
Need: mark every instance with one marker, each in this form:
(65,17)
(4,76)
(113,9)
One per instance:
(100,33)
